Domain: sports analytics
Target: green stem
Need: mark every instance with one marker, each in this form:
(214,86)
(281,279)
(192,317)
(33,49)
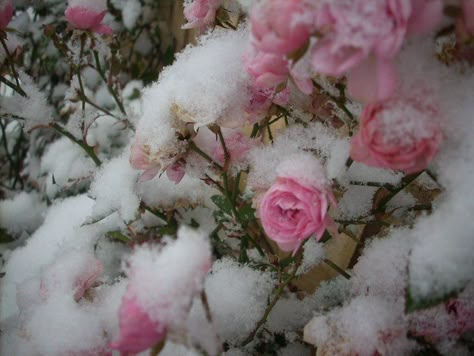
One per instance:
(270,306)
(337,268)
(406,181)
(88,149)
(193,147)
(13,86)
(109,86)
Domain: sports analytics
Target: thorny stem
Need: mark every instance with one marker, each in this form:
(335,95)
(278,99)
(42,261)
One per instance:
(406,181)
(193,147)
(88,149)
(13,86)
(270,306)
(109,86)
(11,63)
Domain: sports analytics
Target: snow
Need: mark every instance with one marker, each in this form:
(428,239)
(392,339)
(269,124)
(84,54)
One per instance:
(131,11)
(206,84)
(33,108)
(23,213)
(237,306)
(154,272)
(116,176)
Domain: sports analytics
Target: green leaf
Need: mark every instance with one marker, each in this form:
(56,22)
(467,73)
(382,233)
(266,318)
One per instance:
(117,235)
(243,257)
(222,203)
(5,237)
(412,304)
(247,213)
(168,230)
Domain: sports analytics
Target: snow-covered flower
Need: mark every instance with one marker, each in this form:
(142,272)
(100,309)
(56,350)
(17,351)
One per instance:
(162,285)
(295,207)
(280,26)
(399,134)
(88,15)
(200,13)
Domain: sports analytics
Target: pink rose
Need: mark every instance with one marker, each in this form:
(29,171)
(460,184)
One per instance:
(262,99)
(88,16)
(267,69)
(281,26)
(425,16)
(295,207)
(200,13)
(137,331)
(400,134)
(236,142)
(6,13)
(141,158)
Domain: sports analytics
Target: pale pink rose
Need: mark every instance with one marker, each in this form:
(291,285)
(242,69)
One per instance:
(84,18)
(281,26)
(354,29)
(176,172)
(374,80)
(399,134)
(425,16)
(73,273)
(137,331)
(296,205)
(262,99)
(236,142)
(6,13)
(447,321)
(267,69)
(200,13)
(141,158)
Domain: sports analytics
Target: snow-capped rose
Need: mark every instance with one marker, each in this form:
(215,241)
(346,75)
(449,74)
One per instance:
(88,15)
(137,331)
(399,134)
(200,13)
(280,26)
(267,69)
(6,13)
(296,205)
(161,288)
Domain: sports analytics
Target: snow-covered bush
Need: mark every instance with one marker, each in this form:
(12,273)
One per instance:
(223,177)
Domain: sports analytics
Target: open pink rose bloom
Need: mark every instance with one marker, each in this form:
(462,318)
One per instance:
(295,207)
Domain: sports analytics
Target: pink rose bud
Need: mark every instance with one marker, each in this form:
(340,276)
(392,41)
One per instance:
(262,99)
(296,205)
(399,134)
(88,15)
(281,26)
(72,273)
(267,69)
(200,13)
(137,331)
(6,13)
